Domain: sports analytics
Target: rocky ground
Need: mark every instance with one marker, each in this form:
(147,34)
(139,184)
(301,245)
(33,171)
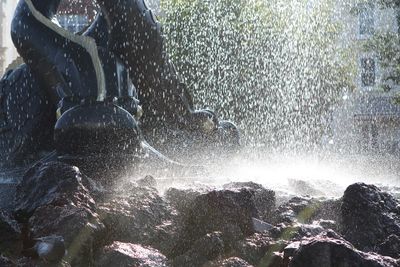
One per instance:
(62,218)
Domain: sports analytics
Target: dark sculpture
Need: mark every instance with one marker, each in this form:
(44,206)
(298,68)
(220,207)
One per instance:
(100,82)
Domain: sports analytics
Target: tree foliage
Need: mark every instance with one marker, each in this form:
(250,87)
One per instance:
(273,67)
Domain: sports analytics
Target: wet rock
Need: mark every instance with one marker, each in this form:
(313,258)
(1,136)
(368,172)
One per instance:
(147,181)
(327,224)
(10,235)
(254,249)
(225,211)
(202,251)
(126,254)
(390,247)
(306,210)
(182,199)
(264,199)
(51,183)
(295,231)
(369,216)
(140,217)
(331,252)
(260,226)
(231,262)
(53,199)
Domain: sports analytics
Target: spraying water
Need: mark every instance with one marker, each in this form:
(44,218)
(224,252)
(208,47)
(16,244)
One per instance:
(278,69)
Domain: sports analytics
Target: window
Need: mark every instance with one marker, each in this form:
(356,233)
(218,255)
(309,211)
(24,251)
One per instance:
(366,19)
(73,23)
(370,137)
(368,68)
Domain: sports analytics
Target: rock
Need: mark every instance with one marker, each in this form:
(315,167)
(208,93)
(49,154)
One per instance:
(51,183)
(369,216)
(306,210)
(126,254)
(264,199)
(295,231)
(182,199)
(258,249)
(10,235)
(324,251)
(304,188)
(390,247)
(202,251)
(147,181)
(327,224)
(231,262)
(53,199)
(225,211)
(140,217)
(260,226)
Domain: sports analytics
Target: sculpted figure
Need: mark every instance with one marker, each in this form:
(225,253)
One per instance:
(104,90)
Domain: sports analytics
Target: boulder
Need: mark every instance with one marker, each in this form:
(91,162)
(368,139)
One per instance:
(264,199)
(325,251)
(369,216)
(258,249)
(225,211)
(53,201)
(126,254)
(139,216)
(10,235)
(390,247)
(182,199)
(307,209)
(202,252)
(51,183)
(147,181)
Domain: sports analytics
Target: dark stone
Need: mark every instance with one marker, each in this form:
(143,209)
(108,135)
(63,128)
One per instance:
(306,209)
(182,199)
(10,235)
(228,212)
(141,217)
(390,247)
(204,250)
(323,251)
(148,181)
(258,249)
(264,199)
(370,216)
(125,254)
(51,183)
(53,199)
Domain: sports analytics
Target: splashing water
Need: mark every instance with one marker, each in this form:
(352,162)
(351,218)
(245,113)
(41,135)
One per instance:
(277,69)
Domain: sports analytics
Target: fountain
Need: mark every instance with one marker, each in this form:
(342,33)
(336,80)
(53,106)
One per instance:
(89,114)
(100,82)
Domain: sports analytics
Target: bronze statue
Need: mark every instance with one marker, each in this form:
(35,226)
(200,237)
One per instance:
(102,91)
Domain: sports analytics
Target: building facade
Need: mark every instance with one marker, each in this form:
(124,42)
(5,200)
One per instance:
(367,120)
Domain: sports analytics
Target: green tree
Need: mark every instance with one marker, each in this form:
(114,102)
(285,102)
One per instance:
(272,67)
